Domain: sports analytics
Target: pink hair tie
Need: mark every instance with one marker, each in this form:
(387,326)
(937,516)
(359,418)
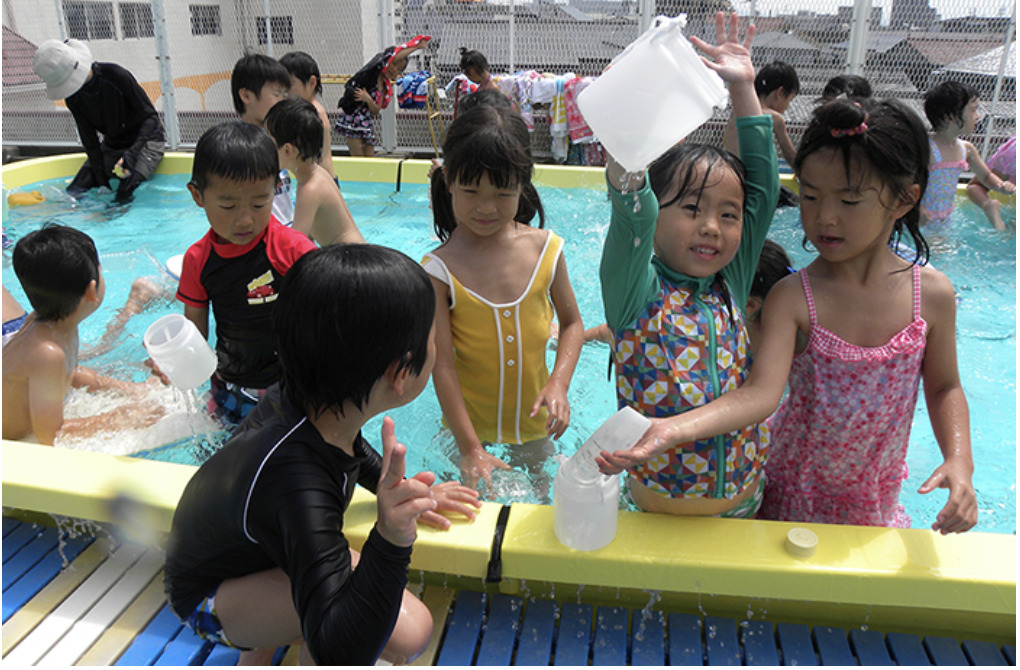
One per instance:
(849,132)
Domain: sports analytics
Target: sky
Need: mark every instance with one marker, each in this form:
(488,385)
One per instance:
(946,8)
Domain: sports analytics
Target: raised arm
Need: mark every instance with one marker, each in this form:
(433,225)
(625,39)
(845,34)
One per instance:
(731,60)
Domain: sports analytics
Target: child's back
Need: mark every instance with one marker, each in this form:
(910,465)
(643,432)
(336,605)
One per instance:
(776,85)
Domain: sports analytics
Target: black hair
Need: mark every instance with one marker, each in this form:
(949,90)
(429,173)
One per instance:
(487,96)
(880,137)
(252,71)
(296,121)
(774,75)
(850,85)
(946,103)
(473,60)
(773,265)
(55,265)
(345,313)
(485,140)
(301,65)
(234,150)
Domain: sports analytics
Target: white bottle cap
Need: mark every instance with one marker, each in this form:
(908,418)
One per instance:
(801,542)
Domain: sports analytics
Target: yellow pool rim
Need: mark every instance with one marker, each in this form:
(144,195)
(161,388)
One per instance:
(911,580)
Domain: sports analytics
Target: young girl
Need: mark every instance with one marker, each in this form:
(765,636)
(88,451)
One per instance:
(1003,165)
(952,110)
(369,91)
(500,279)
(677,267)
(306,83)
(860,327)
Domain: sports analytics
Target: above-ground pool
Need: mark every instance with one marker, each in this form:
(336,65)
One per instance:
(163,221)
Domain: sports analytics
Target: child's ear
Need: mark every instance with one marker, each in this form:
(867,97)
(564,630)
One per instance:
(753,305)
(196,195)
(92,293)
(397,379)
(247,96)
(909,200)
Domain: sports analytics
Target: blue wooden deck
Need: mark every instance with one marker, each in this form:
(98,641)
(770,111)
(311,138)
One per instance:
(107,608)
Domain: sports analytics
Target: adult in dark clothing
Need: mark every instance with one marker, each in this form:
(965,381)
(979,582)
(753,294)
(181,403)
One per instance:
(105,99)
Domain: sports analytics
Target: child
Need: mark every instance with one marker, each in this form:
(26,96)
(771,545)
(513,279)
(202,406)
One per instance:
(861,327)
(306,83)
(238,265)
(320,211)
(952,110)
(850,85)
(1003,165)
(497,283)
(677,316)
(58,267)
(257,557)
(777,85)
(369,91)
(257,83)
(475,67)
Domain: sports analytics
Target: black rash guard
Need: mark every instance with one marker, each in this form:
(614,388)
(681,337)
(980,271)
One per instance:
(275,496)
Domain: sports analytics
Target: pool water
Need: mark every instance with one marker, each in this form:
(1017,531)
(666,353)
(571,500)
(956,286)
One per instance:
(163,221)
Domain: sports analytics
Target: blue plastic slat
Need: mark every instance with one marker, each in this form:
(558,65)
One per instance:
(30,554)
(17,539)
(500,632)
(222,655)
(795,644)
(870,647)
(279,654)
(1009,651)
(186,649)
(610,644)
(721,643)
(907,649)
(462,629)
(10,524)
(41,574)
(648,638)
(535,644)
(573,639)
(685,645)
(759,642)
(149,644)
(944,651)
(833,646)
(983,653)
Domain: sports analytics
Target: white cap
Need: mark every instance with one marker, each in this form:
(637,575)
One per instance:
(801,542)
(63,66)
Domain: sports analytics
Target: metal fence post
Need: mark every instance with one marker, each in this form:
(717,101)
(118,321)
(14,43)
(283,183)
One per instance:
(269,30)
(646,14)
(998,83)
(512,36)
(166,77)
(857,53)
(60,20)
(388,119)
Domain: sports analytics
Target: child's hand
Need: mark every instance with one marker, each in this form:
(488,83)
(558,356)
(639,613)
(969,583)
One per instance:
(156,372)
(659,437)
(960,513)
(554,397)
(477,462)
(400,501)
(451,497)
(362,95)
(1008,187)
(732,58)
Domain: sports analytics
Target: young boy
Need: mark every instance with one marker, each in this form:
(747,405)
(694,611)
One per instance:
(257,557)
(306,83)
(58,267)
(239,264)
(320,211)
(257,83)
(777,85)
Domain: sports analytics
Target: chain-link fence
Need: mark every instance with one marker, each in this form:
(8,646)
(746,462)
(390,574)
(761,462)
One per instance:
(182,52)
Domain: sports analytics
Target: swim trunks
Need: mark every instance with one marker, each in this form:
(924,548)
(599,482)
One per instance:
(206,624)
(12,327)
(231,402)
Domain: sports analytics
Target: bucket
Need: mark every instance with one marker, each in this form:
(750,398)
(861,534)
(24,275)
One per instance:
(652,95)
(178,348)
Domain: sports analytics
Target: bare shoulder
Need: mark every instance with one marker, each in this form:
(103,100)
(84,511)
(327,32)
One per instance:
(938,296)
(533,236)
(31,356)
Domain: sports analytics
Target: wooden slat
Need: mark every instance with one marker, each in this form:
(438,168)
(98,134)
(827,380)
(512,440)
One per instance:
(907,649)
(759,642)
(648,638)
(35,610)
(610,643)
(41,574)
(438,600)
(833,646)
(869,646)
(500,632)
(983,653)
(573,639)
(721,644)
(944,650)
(537,632)
(462,630)
(28,556)
(147,647)
(685,643)
(118,637)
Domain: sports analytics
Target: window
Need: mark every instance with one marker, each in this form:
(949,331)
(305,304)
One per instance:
(89,20)
(205,20)
(282,27)
(136,20)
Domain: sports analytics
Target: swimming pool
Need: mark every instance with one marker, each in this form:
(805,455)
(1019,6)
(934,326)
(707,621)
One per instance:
(164,221)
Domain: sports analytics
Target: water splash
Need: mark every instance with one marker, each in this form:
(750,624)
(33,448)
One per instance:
(646,612)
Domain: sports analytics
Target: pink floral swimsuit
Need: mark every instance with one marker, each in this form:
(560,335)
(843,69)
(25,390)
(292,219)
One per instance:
(839,441)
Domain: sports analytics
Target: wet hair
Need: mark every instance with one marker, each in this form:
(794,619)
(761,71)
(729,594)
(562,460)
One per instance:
(775,75)
(234,150)
(485,140)
(773,265)
(345,313)
(303,67)
(296,121)
(473,60)
(850,85)
(487,96)
(55,266)
(252,72)
(946,103)
(884,138)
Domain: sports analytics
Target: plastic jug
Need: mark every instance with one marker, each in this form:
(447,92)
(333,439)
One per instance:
(586,502)
(180,351)
(654,93)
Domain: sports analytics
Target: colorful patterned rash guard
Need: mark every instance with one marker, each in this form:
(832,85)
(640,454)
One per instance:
(680,341)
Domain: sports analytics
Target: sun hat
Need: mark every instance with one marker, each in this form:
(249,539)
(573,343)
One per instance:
(63,67)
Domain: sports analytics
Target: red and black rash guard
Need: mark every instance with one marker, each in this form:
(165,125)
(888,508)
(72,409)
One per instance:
(242,282)
(275,496)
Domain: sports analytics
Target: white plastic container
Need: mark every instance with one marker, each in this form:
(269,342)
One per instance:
(180,351)
(586,502)
(654,93)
